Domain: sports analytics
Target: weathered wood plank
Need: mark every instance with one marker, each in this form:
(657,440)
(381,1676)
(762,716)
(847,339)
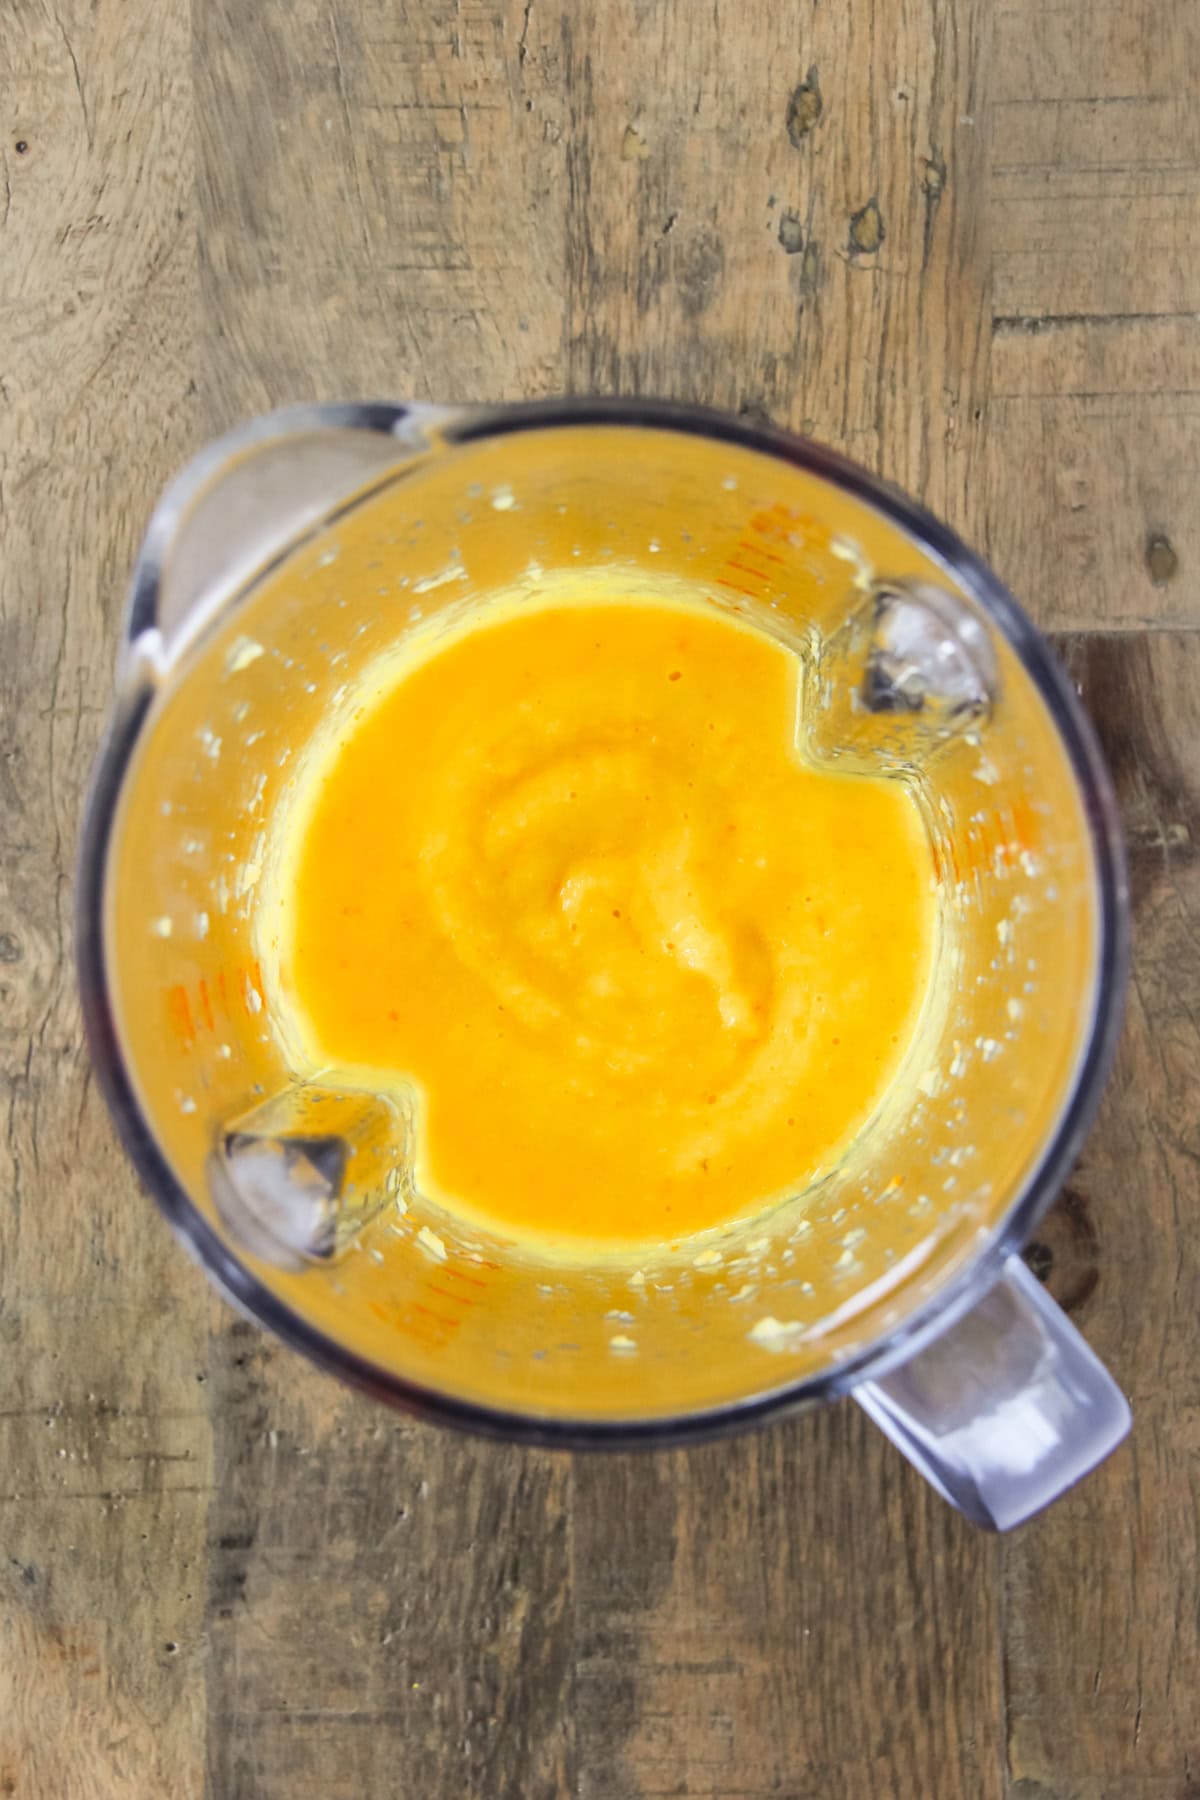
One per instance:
(389,1608)
(777,212)
(1094,192)
(381,211)
(1091,506)
(381,193)
(104,1440)
(1102,1669)
(790,1613)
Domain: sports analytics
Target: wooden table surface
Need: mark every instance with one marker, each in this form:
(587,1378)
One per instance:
(960,240)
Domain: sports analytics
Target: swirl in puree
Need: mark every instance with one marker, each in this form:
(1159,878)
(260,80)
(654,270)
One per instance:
(563,874)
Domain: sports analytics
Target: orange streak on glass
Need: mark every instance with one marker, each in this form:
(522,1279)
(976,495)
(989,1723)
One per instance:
(179,1012)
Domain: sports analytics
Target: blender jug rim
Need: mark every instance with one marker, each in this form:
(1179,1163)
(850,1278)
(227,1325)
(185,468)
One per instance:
(463,425)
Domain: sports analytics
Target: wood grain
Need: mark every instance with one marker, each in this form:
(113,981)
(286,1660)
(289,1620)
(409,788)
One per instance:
(701,1658)
(1102,1674)
(382,201)
(957,241)
(389,1608)
(834,278)
(1094,423)
(104,1439)
(791,1613)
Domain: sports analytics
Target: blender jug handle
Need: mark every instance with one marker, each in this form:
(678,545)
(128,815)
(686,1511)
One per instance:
(248,498)
(1005,1410)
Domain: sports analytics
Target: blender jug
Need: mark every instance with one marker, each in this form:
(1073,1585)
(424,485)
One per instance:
(275,569)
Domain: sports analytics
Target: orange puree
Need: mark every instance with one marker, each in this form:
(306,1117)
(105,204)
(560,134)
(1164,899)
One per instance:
(564,875)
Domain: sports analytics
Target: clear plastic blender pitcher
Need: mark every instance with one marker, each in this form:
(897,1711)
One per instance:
(276,567)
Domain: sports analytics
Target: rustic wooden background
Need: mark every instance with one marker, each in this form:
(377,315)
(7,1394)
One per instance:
(959,239)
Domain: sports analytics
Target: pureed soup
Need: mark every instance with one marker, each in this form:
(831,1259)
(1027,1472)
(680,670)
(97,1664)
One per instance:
(561,873)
